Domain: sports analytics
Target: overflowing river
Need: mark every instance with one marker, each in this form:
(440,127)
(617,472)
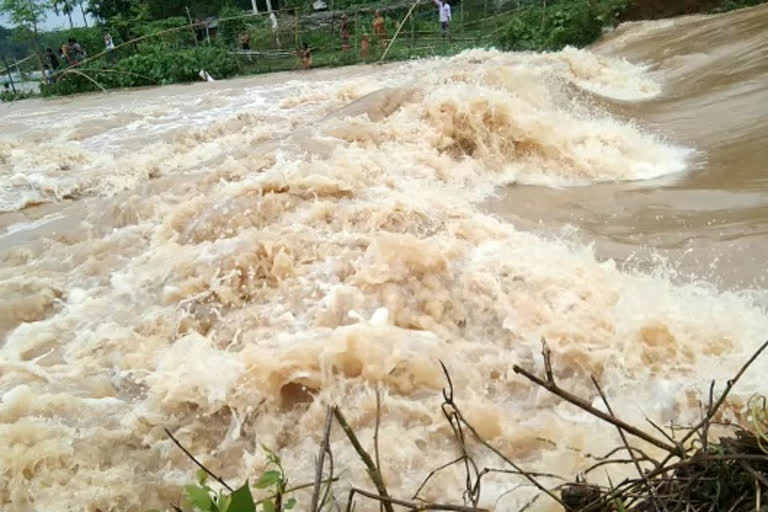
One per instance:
(226,259)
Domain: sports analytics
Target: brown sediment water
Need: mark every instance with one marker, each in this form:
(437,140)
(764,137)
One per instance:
(711,221)
(225,259)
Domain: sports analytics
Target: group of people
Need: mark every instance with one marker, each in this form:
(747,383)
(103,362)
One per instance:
(71,54)
(379,29)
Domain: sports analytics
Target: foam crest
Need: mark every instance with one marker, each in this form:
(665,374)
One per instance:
(232,300)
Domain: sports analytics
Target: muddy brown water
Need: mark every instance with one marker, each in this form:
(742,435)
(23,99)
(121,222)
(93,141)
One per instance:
(226,259)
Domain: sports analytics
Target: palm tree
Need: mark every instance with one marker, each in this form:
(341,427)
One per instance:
(66,7)
(82,11)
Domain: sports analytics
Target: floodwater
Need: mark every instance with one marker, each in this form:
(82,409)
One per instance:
(226,259)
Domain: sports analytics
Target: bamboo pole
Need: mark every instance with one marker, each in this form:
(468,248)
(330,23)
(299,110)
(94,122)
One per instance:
(191,23)
(297,29)
(399,27)
(413,35)
(357,36)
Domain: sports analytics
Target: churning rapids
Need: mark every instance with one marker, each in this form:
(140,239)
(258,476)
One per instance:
(225,259)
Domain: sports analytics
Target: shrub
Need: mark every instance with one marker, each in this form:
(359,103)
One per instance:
(161,66)
(560,24)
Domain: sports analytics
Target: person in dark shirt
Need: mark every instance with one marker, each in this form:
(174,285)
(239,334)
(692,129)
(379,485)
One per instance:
(53,60)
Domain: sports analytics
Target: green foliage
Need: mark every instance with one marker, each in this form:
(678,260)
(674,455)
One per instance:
(161,66)
(10,46)
(6,96)
(166,38)
(730,5)
(173,66)
(230,31)
(90,39)
(202,498)
(27,13)
(560,24)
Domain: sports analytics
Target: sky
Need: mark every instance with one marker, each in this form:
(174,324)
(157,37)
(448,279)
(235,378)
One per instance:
(53,21)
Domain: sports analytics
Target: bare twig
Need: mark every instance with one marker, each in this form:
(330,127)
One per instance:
(372,471)
(433,473)
(713,410)
(640,472)
(376,434)
(553,388)
(330,481)
(749,469)
(660,430)
(705,430)
(413,506)
(199,464)
(448,395)
(485,471)
(321,458)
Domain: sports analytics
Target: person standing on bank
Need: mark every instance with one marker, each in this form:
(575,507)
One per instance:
(109,45)
(444,9)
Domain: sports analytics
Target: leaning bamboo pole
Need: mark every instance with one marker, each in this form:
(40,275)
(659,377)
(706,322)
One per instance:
(397,32)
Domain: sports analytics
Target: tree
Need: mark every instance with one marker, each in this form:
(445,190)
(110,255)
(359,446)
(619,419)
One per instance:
(82,11)
(28,14)
(105,9)
(66,7)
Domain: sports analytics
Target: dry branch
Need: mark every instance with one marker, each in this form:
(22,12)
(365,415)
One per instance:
(372,471)
(551,386)
(199,464)
(324,448)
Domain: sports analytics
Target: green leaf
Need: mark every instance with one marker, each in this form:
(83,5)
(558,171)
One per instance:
(268,479)
(290,504)
(268,506)
(198,497)
(202,476)
(225,500)
(242,501)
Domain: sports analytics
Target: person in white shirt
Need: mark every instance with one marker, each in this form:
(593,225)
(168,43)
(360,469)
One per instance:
(444,8)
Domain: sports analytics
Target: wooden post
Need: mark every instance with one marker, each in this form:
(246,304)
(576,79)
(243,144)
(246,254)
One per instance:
(296,28)
(333,17)
(413,35)
(191,25)
(255,7)
(357,36)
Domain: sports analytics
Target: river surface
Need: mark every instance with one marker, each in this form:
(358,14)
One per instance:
(226,259)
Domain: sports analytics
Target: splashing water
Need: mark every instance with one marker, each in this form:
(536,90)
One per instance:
(226,259)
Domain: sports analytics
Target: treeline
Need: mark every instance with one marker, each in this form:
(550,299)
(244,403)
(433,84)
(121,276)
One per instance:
(168,50)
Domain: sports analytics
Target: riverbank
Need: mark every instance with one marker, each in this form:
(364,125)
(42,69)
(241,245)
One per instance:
(172,55)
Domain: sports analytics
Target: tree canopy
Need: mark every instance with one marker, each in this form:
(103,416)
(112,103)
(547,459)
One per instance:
(26,13)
